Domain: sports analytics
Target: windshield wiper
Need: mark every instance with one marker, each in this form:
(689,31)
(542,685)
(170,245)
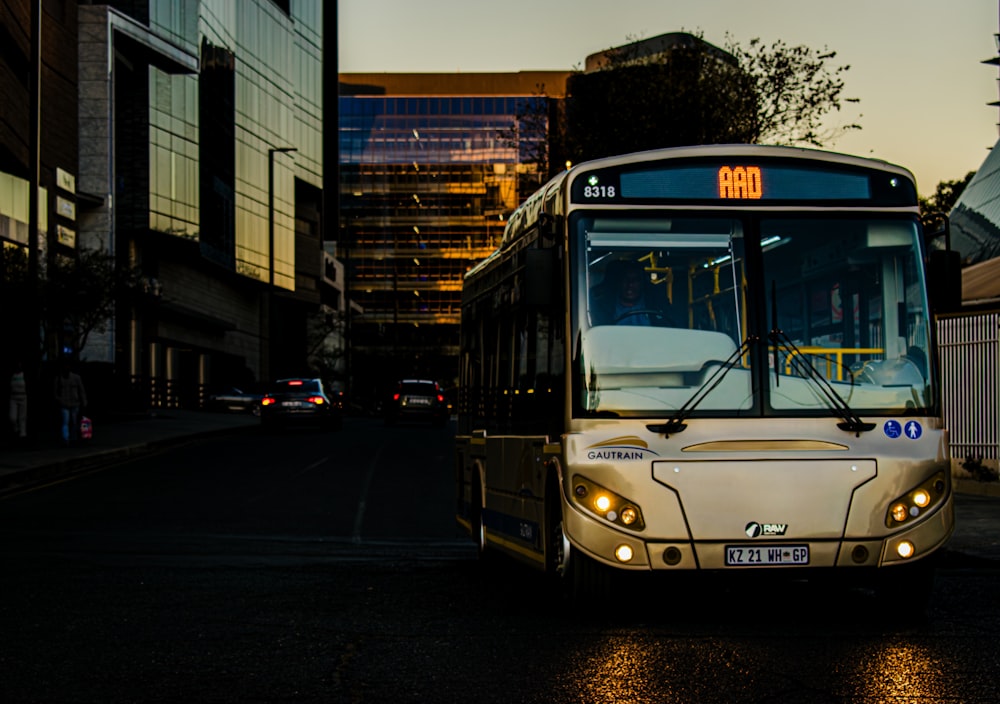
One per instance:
(675,423)
(850,420)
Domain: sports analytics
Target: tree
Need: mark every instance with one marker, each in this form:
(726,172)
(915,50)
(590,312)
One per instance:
(943,199)
(792,91)
(79,293)
(535,133)
(325,344)
(15,294)
(694,93)
(76,294)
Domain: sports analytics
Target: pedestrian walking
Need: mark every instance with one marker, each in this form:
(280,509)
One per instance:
(19,402)
(71,398)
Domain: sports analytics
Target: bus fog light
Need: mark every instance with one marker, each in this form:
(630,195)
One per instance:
(672,556)
(905,549)
(859,554)
(624,553)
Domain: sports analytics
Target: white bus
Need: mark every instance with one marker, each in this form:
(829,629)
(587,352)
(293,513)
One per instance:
(714,358)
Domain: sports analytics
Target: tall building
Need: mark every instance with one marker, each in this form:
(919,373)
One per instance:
(430,167)
(36,147)
(201,133)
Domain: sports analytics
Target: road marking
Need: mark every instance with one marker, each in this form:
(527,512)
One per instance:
(360,516)
(311,467)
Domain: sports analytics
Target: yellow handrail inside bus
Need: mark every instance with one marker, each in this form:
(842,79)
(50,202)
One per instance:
(830,354)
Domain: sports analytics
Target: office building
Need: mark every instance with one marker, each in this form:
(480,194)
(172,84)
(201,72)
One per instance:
(201,134)
(431,165)
(36,147)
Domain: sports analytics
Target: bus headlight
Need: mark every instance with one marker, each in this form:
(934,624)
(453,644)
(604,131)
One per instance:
(916,502)
(607,504)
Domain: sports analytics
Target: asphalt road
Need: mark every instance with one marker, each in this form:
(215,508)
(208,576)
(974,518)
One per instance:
(310,567)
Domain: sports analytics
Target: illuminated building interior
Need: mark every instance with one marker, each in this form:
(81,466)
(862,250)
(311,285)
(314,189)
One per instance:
(430,168)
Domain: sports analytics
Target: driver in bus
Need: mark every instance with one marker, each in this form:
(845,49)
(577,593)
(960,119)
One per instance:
(620,299)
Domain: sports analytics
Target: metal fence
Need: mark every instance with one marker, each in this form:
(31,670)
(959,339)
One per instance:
(969,379)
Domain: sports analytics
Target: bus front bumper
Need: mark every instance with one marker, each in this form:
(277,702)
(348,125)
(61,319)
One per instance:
(629,551)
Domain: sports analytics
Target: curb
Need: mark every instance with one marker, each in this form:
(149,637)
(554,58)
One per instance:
(976,488)
(72,466)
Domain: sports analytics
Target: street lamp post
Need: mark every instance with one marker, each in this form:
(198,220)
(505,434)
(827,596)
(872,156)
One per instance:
(266,361)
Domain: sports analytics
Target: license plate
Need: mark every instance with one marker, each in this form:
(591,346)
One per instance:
(419,402)
(295,404)
(766,555)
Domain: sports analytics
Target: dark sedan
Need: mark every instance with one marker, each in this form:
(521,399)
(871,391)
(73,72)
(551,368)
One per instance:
(301,401)
(234,399)
(417,399)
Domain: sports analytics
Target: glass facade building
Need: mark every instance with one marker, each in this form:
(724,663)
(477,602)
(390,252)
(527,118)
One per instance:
(213,159)
(259,88)
(430,167)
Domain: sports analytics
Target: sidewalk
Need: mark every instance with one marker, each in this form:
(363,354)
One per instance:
(42,460)
(977,504)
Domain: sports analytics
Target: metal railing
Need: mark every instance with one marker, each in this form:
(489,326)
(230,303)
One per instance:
(969,383)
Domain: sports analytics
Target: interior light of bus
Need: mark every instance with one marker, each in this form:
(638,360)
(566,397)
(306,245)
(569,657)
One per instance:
(624,553)
(916,502)
(715,262)
(905,549)
(740,182)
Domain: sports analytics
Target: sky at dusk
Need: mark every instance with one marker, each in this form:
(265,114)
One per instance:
(916,65)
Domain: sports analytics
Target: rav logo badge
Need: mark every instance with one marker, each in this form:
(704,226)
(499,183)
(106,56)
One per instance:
(754,529)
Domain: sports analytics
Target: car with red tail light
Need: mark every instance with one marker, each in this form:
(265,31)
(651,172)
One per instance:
(418,400)
(301,401)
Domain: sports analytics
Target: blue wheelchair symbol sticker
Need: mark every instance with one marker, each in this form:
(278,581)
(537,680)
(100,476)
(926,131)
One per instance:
(913,430)
(892,429)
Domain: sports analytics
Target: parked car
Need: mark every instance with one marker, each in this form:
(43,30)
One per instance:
(301,401)
(236,400)
(417,399)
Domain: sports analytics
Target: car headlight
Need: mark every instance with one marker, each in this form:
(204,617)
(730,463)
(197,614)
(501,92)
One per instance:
(916,502)
(607,504)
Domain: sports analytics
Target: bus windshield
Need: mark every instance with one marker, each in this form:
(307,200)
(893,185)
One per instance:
(848,295)
(668,308)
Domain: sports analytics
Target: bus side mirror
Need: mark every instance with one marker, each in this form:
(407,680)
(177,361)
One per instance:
(944,271)
(540,277)
(944,280)
(546,228)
